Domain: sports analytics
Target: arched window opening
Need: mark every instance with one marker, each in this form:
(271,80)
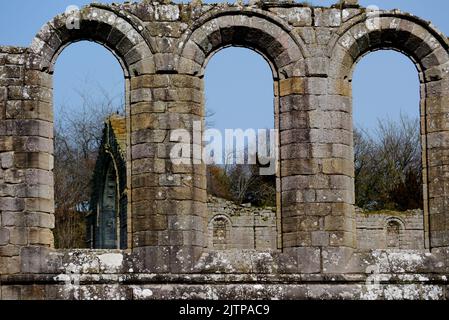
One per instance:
(387,143)
(241,141)
(88,89)
(393,239)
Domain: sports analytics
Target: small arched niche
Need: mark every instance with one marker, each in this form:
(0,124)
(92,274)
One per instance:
(220,230)
(394,233)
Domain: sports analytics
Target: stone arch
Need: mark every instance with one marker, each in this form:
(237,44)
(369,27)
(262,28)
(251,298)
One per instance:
(425,46)
(265,34)
(250,28)
(121,34)
(99,24)
(219,230)
(428,49)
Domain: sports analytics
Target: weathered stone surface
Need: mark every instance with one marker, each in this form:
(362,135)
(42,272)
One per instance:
(7,160)
(313,241)
(327,17)
(297,17)
(4,236)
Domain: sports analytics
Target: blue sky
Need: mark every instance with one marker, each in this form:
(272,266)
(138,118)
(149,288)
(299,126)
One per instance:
(385,83)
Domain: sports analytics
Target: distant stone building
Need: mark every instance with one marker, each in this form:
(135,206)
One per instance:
(230,226)
(107,220)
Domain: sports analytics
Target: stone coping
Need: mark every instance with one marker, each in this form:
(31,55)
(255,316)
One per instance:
(247,265)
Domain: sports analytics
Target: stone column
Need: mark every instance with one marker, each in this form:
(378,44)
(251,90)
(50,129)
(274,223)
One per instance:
(435,141)
(168,199)
(26,153)
(316,165)
(316,169)
(297,169)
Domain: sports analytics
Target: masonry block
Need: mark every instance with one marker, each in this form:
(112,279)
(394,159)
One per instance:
(182,243)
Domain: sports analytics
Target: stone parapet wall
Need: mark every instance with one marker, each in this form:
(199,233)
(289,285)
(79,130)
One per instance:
(255,228)
(231,274)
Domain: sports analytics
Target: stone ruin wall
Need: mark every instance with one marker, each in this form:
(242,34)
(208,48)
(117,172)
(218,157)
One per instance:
(373,233)
(255,228)
(163,49)
(248,227)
